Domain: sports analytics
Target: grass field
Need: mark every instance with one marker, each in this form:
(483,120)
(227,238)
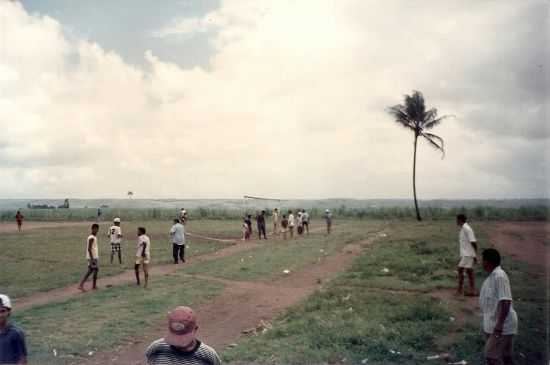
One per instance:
(379,311)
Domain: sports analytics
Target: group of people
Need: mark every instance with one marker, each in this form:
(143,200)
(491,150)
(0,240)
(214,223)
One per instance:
(285,223)
(181,346)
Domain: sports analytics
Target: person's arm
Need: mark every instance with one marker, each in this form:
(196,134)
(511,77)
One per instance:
(144,246)
(503,308)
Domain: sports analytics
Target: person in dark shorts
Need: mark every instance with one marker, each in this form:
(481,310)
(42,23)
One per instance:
(19,219)
(177,235)
(115,235)
(260,220)
(13,349)
(92,255)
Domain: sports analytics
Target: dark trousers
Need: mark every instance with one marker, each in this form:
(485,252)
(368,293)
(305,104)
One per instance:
(178,252)
(261,230)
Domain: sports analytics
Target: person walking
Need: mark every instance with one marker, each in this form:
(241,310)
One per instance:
(177,235)
(291,223)
(13,349)
(180,345)
(260,221)
(305,220)
(328,220)
(115,235)
(468,255)
(143,255)
(276,221)
(500,320)
(92,255)
(19,219)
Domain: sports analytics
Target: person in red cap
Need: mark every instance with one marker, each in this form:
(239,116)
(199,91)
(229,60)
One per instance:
(180,346)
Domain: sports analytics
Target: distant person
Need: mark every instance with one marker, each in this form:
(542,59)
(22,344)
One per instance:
(260,221)
(245,230)
(248,221)
(299,223)
(13,349)
(275,221)
(183,216)
(468,255)
(177,235)
(180,346)
(328,220)
(98,214)
(92,255)
(115,235)
(305,220)
(291,223)
(500,321)
(143,255)
(19,219)
(284,225)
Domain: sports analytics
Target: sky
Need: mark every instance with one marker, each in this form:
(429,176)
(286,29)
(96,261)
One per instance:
(283,98)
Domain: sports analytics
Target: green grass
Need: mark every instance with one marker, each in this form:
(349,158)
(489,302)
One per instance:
(366,315)
(276,255)
(104,319)
(48,258)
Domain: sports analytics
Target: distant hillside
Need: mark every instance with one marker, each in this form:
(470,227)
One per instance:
(239,204)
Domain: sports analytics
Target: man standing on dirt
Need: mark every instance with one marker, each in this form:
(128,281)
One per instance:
(92,255)
(468,255)
(19,219)
(115,235)
(275,221)
(180,346)
(143,255)
(305,220)
(183,216)
(328,220)
(500,321)
(260,220)
(177,235)
(13,349)
(291,223)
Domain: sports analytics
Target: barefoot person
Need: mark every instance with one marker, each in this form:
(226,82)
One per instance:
(19,219)
(284,226)
(180,346)
(143,255)
(92,255)
(291,223)
(177,235)
(276,221)
(305,220)
(115,235)
(328,220)
(468,252)
(13,349)
(500,321)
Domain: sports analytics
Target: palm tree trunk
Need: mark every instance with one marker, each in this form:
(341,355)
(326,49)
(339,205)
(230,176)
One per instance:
(418,217)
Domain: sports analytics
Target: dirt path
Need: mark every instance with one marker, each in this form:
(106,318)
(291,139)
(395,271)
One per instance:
(525,241)
(12,227)
(243,306)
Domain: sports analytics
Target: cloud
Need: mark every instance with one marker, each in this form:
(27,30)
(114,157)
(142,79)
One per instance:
(291,104)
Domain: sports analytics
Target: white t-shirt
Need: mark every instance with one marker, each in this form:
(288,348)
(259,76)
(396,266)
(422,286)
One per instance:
(115,233)
(494,289)
(95,252)
(305,217)
(465,237)
(143,239)
(177,233)
(275,217)
(291,220)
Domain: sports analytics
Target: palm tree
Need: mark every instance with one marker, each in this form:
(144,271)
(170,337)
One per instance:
(414,116)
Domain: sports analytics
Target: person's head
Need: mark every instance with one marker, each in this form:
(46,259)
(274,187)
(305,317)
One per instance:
(18,212)
(290,212)
(249,216)
(284,216)
(95,228)
(116,221)
(327,211)
(5,309)
(141,230)
(461,219)
(490,259)
(263,212)
(182,328)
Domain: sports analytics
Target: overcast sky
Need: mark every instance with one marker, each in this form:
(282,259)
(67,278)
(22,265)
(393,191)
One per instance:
(281,98)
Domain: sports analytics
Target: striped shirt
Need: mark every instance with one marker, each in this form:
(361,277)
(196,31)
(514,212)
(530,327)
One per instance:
(161,353)
(496,288)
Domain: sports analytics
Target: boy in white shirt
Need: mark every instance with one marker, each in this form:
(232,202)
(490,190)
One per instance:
(143,255)
(468,255)
(291,223)
(115,234)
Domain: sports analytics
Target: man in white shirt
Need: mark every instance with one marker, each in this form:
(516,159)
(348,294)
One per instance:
(500,321)
(291,223)
(115,234)
(92,255)
(468,255)
(143,255)
(276,221)
(177,235)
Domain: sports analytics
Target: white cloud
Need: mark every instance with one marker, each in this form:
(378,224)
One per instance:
(291,105)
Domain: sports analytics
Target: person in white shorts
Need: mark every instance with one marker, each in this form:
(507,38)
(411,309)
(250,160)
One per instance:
(92,256)
(291,223)
(143,255)
(468,255)
(115,234)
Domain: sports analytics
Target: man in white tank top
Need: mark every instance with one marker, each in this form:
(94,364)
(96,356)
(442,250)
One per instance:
(92,255)
(115,235)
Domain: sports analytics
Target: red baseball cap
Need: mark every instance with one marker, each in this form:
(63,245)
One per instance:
(182,323)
